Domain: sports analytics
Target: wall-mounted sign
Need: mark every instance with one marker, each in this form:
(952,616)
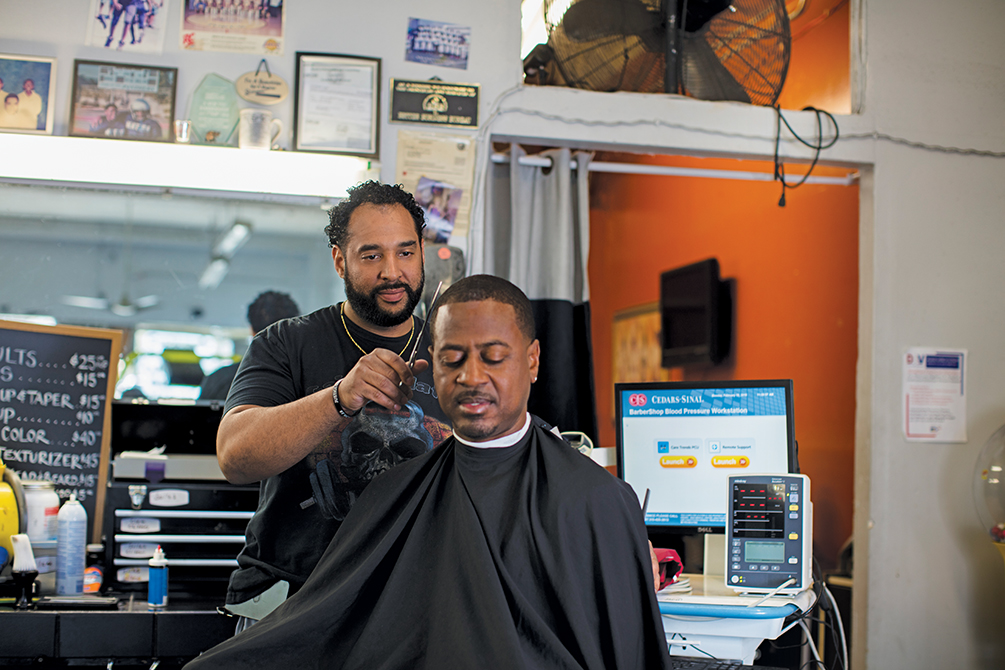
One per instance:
(56,386)
(934,395)
(263,88)
(434,102)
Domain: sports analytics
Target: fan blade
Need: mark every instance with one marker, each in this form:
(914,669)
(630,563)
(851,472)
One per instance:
(123,309)
(592,19)
(705,77)
(84,301)
(147,301)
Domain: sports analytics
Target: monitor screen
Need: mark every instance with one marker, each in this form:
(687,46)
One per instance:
(682,440)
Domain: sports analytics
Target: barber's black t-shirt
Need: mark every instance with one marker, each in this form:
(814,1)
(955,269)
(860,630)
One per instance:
(300,509)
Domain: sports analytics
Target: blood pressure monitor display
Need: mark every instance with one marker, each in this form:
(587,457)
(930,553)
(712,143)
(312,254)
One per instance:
(769,537)
(764,552)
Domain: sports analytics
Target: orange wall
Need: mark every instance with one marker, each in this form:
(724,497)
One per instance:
(796,308)
(820,64)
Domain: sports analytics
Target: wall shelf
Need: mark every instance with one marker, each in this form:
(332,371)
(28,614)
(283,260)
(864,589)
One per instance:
(227,172)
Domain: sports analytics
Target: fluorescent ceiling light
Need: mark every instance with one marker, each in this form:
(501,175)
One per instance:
(214,273)
(167,166)
(232,240)
(30,318)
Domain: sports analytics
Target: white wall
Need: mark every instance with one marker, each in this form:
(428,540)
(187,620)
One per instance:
(374,29)
(936,73)
(932,585)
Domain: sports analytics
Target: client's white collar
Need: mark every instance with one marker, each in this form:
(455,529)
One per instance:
(504,441)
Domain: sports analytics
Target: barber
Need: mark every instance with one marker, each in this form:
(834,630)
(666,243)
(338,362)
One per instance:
(295,418)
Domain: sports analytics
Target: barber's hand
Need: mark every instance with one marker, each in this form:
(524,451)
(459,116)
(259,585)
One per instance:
(656,567)
(381,376)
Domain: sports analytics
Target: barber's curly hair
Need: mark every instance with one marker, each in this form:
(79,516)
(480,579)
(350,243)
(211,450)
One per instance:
(373,193)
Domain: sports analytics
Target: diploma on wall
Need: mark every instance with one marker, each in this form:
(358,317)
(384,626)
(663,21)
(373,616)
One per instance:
(336,104)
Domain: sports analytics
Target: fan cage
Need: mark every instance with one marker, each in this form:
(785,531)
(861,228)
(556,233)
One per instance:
(751,40)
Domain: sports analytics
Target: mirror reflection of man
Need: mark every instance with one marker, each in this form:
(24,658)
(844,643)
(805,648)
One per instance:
(267,308)
(305,387)
(503,548)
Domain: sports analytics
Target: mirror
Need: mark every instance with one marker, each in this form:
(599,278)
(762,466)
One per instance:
(118,259)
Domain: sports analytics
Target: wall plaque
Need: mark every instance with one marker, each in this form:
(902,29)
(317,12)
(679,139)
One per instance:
(434,102)
(263,88)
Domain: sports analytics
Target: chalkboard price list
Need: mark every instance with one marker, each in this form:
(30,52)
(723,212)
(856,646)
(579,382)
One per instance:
(53,391)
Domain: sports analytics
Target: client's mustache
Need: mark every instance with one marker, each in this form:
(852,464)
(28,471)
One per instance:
(474,396)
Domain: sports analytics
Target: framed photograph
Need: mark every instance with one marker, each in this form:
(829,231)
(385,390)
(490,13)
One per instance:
(26,89)
(336,104)
(126,102)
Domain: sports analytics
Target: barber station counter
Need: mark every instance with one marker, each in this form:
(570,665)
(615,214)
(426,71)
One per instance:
(111,637)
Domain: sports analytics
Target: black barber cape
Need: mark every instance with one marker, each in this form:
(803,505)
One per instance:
(530,556)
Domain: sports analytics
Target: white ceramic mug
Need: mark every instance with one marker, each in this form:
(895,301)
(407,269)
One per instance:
(258,129)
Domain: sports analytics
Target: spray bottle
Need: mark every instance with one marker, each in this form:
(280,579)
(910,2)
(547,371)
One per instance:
(70,548)
(157,586)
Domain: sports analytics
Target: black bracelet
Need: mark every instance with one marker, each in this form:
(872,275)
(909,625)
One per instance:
(338,405)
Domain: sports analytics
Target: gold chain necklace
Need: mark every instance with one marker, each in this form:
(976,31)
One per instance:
(342,314)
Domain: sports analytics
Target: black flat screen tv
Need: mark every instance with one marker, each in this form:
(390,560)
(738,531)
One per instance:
(696,315)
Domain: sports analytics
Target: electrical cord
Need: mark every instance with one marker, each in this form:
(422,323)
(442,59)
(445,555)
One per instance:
(837,641)
(693,646)
(923,145)
(840,626)
(496,110)
(799,618)
(818,147)
(812,645)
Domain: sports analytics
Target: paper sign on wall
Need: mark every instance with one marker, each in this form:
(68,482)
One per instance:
(934,395)
(438,167)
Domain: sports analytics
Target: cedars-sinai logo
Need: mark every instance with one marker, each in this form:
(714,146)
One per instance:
(637,399)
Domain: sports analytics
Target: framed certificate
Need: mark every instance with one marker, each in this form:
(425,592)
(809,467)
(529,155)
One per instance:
(336,104)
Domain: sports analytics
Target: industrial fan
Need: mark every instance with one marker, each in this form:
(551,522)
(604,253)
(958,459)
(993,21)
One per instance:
(708,49)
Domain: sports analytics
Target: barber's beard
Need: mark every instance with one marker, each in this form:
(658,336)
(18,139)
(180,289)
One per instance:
(367,307)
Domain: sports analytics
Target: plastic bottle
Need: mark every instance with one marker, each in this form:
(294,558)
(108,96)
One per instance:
(43,505)
(70,548)
(95,571)
(157,586)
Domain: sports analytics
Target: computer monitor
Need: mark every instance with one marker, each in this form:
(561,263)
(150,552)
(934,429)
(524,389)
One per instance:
(682,440)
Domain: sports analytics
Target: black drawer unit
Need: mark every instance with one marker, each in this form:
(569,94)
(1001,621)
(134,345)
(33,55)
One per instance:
(199,525)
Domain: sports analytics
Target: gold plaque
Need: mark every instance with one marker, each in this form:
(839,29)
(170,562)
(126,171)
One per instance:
(263,88)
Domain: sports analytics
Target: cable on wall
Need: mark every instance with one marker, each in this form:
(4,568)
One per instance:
(927,147)
(818,147)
